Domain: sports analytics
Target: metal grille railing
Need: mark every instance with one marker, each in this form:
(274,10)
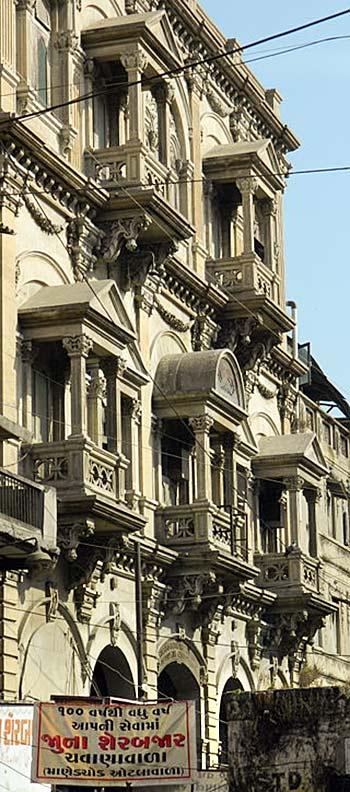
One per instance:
(21,500)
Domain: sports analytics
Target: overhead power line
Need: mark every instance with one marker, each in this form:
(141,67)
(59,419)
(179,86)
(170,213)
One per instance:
(187,66)
(269,54)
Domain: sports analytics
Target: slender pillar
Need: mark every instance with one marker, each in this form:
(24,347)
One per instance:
(195,90)
(135,63)
(113,369)
(313,497)
(218,465)
(78,348)
(294,486)
(133,481)
(201,426)
(9,660)
(8,39)
(96,393)
(27,396)
(247,188)
(164,96)
(157,457)
(269,209)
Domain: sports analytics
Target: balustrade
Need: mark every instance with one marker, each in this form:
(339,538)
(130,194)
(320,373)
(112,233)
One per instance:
(280,571)
(194,524)
(77,465)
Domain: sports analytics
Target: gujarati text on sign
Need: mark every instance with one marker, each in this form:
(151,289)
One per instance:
(115,743)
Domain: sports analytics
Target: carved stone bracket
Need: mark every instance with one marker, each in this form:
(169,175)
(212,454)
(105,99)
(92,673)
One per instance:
(199,594)
(70,537)
(86,595)
(204,331)
(122,232)
(255,642)
(287,401)
(83,244)
(288,635)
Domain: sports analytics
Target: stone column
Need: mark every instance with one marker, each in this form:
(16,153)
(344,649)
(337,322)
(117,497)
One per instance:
(78,348)
(26,351)
(8,312)
(8,38)
(113,369)
(195,89)
(96,393)
(164,96)
(218,465)
(135,64)
(133,493)
(313,496)
(294,486)
(201,426)
(247,188)
(9,660)
(269,210)
(210,637)
(157,457)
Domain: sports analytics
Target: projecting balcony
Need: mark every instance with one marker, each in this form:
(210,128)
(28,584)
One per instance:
(88,479)
(27,522)
(284,573)
(131,172)
(255,285)
(202,530)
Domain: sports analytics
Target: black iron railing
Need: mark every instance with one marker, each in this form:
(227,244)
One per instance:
(21,500)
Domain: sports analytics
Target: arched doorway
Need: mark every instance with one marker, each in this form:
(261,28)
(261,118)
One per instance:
(177,682)
(112,675)
(232,685)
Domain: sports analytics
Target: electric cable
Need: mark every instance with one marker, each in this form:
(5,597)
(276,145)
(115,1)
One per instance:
(186,67)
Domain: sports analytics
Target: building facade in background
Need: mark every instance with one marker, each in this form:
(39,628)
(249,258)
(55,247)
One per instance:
(164,439)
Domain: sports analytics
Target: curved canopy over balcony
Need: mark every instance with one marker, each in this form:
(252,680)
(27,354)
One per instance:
(209,381)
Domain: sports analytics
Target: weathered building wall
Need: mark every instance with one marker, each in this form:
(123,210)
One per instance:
(289,740)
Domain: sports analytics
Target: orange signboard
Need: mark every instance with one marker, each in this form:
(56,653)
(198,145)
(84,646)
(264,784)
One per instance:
(111,744)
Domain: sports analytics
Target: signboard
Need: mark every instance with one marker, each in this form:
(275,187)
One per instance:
(16,739)
(111,744)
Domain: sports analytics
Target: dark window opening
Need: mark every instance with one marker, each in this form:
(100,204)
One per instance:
(177,682)
(232,686)
(270,516)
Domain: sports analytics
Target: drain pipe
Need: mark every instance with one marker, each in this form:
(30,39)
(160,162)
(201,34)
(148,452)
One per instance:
(294,314)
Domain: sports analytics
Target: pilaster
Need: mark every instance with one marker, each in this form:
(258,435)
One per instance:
(9,661)
(8,313)
(8,78)
(201,426)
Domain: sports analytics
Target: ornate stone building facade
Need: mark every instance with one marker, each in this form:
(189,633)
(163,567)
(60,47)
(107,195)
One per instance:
(151,383)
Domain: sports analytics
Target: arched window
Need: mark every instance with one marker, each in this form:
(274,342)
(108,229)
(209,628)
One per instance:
(232,686)
(177,682)
(42,71)
(112,675)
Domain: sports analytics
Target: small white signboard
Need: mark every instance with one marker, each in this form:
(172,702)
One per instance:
(16,739)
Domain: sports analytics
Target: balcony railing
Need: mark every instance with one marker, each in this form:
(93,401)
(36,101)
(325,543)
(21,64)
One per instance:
(131,165)
(198,523)
(245,273)
(77,465)
(280,571)
(21,500)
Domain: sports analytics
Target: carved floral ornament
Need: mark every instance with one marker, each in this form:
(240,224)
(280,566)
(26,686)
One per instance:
(77,346)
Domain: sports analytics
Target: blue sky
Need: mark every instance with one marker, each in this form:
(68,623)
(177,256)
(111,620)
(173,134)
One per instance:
(314,83)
